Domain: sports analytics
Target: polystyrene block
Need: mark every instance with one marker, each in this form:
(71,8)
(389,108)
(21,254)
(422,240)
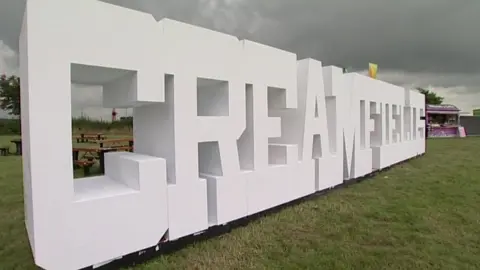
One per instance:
(222,129)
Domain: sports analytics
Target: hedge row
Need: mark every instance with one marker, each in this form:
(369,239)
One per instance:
(12,126)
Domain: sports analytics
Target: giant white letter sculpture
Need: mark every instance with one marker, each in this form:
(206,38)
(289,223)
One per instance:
(223,129)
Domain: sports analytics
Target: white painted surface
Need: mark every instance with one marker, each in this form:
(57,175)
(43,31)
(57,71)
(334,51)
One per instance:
(223,129)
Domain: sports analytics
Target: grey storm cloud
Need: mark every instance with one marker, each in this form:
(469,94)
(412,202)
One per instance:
(428,42)
(411,35)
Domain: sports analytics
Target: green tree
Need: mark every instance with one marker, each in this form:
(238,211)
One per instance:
(10,94)
(431,97)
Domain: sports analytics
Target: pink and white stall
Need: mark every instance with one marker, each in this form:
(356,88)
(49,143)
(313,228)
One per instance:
(443,121)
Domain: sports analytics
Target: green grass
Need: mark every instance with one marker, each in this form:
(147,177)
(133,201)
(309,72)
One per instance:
(424,214)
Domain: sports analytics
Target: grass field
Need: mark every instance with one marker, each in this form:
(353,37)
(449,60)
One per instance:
(424,214)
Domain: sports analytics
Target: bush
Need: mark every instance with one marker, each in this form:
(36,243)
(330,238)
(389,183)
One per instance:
(10,127)
(84,124)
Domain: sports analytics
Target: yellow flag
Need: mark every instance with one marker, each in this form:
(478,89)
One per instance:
(372,70)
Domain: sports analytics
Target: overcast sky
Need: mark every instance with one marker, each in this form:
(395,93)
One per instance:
(427,43)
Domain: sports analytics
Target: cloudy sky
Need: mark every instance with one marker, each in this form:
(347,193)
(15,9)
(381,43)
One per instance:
(428,43)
